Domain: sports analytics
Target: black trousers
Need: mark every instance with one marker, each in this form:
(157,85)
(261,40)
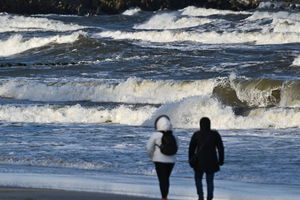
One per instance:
(163,171)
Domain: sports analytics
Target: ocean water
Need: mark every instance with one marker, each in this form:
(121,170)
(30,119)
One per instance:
(79,94)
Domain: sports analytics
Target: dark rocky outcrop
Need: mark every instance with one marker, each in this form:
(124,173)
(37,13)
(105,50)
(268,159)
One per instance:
(95,7)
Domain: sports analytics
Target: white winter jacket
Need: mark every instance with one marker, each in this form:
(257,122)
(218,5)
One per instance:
(154,151)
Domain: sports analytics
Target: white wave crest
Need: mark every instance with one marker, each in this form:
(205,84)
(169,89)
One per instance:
(76,163)
(188,112)
(235,37)
(286,26)
(282,22)
(171,21)
(133,90)
(17,44)
(132,11)
(275,15)
(194,11)
(21,23)
(296,62)
(269,5)
(75,114)
(255,94)
(184,114)
(290,97)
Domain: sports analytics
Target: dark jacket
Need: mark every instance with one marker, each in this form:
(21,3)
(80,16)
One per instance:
(208,160)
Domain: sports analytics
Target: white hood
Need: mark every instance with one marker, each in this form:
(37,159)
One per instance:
(163,124)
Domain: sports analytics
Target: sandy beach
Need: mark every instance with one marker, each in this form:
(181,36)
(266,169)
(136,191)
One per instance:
(109,187)
(12,193)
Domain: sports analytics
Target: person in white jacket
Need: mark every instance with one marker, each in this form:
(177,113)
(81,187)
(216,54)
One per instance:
(163,163)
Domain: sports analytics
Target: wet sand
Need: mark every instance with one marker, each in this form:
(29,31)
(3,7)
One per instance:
(9,193)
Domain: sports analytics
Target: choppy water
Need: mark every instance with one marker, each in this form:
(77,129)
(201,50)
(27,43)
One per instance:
(79,94)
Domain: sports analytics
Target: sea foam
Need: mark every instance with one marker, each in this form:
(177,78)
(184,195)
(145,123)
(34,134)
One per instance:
(75,114)
(252,93)
(185,102)
(21,23)
(235,37)
(274,15)
(296,62)
(187,113)
(131,90)
(132,11)
(17,43)
(171,21)
(184,114)
(194,11)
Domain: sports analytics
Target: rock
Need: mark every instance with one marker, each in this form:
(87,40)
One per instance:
(96,7)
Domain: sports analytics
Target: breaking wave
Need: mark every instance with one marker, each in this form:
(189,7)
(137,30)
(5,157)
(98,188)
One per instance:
(17,43)
(75,114)
(231,92)
(132,11)
(194,11)
(132,90)
(184,114)
(296,62)
(236,37)
(171,21)
(232,103)
(260,28)
(21,23)
(275,15)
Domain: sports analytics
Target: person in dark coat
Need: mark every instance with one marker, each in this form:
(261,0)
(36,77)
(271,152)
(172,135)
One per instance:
(207,152)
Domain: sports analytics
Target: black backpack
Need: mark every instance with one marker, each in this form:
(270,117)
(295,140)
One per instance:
(168,144)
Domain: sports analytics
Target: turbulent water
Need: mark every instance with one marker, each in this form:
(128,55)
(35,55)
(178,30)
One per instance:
(79,94)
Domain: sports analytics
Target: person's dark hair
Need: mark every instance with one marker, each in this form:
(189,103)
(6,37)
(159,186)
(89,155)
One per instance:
(205,124)
(161,116)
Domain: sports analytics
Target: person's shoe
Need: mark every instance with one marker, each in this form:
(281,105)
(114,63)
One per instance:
(164,199)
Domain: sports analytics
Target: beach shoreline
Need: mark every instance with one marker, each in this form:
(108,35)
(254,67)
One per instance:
(19,193)
(31,186)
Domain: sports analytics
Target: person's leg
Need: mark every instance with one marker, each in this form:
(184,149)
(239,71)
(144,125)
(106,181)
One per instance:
(163,171)
(169,168)
(198,181)
(210,185)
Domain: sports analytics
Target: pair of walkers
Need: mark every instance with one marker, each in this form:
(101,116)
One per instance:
(206,155)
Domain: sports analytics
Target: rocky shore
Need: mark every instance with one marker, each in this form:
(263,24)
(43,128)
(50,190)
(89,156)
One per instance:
(97,7)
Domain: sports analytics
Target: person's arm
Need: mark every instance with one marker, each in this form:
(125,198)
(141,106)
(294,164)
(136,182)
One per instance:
(192,146)
(151,145)
(220,148)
